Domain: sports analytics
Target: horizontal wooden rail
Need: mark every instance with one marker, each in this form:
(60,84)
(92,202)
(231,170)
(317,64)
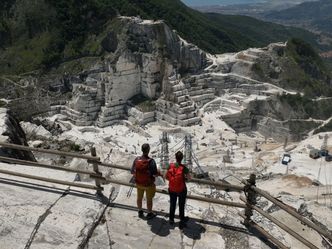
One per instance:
(292,212)
(265,233)
(201,181)
(54,152)
(222,185)
(281,225)
(35,164)
(192,197)
(111,165)
(44,179)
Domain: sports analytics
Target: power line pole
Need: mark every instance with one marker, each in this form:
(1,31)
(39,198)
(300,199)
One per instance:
(324,145)
(188,148)
(164,158)
(285,142)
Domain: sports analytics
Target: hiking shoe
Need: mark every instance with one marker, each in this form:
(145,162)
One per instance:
(140,213)
(185,219)
(182,225)
(150,216)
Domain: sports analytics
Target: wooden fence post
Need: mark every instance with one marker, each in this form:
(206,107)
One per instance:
(251,198)
(96,170)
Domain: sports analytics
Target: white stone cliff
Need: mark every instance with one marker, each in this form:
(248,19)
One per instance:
(147,59)
(147,55)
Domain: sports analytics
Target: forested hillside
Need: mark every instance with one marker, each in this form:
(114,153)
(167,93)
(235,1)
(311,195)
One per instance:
(259,32)
(43,33)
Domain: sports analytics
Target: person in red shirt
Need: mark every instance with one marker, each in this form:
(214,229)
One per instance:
(176,174)
(144,171)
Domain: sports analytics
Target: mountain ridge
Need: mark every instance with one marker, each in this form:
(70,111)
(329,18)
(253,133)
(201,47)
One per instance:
(33,39)
(312,15)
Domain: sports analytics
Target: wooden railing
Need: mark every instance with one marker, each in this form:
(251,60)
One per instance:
(220,185)
(251,193)
(248,188)
(93,174)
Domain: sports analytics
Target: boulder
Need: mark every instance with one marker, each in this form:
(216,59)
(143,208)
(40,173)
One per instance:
(12,132)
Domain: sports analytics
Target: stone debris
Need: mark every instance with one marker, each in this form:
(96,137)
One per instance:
(12,132)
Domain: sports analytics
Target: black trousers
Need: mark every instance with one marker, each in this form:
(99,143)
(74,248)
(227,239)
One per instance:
(182,201)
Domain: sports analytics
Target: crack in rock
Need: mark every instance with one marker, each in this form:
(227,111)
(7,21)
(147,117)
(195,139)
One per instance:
(93,226)
(41,219)
(182,240)
(110,241)
(112,199)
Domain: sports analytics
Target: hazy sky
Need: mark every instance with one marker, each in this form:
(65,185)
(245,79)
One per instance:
(218,2)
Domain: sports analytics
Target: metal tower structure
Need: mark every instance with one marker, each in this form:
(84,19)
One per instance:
(188,151)
(285,142)
(324,145)
(164,156)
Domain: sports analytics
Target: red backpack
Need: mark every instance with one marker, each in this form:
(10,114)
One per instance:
(175,176)
(142,173)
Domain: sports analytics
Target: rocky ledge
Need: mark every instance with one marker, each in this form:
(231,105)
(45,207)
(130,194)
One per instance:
(12,132)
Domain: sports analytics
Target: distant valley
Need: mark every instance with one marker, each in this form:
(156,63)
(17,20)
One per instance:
(315,16)
(219,2)
(312,15)
(250,8)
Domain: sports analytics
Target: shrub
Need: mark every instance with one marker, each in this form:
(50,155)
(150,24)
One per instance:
(75,147)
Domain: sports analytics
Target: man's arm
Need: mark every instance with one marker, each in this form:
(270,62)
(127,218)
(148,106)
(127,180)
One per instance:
(133,167)
(166,171)
(153,168)
(187,174)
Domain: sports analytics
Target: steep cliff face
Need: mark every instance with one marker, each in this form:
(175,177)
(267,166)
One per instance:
(11,132)
(142,56)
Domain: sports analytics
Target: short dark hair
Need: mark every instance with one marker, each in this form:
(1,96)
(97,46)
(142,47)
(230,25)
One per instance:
(145,148)
(179,156)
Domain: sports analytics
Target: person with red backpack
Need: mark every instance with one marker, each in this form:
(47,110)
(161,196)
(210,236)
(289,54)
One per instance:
(144,171)
(176,174)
